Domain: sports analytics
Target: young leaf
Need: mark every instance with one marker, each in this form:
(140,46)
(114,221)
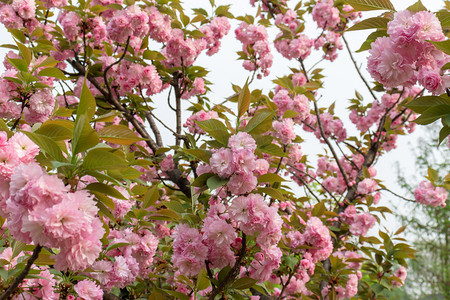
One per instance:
(244,100)
(444,46)
(84,136)
(364,5)
(103,159)
(46,144)
(370,23)
(118,134)
(53,72)
(416,7)
(105,189)
(260,123)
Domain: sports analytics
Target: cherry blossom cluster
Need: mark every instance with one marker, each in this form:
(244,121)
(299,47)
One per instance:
(428,194)
(125,263)
(359,223)
(297,47)
(202,115)
(20,11)
(299,103)
(255,45)
(407,56)
(365,118)
(41,209)
(239,163)
(332,127)
(36,105)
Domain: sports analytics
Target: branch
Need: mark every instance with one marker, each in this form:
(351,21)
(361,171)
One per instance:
(117,105)
(288,280)
(178,94)
(357,69)
(305,184)
(397,195)
(22,274)
(315,179)
(154,128)
(233,272)
(113,64)
(322,133)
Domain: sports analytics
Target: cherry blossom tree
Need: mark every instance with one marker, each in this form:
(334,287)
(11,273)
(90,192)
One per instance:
(95,203)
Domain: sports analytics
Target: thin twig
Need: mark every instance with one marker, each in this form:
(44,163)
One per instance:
(357,68)
(305,184)
(322,133)
(315,179)
(397,195)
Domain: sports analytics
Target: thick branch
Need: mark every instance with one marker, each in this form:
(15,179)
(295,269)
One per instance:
(22,274)
(154,128)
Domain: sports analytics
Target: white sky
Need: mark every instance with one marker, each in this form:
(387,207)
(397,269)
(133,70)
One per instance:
(340,83)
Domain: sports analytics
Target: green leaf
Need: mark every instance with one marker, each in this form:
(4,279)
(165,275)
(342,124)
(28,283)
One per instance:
(271,178)
(48,62)
(243,283)
(105,189)
(291,261)
(105,211)
(177,295)
(57,129)
(103,159)
(444,46)
(17,248)
(215,181)
(115,246)
(118,134)
(318,209)
(216,130)
(202,280)
(108,202)
(84,136)
(153,55)
(370,23)
(25,52)
(201,180)
(272,149)
(201,154)
(260,123)
(53,72)
(364,5)
(444,18)
(44,259)
(433,175)
(416,7)
(150,197)
(423,103)
(18,34)
(46,144)
(18,63)
(445,131)
(274,193)
(244,100)
(432,114)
